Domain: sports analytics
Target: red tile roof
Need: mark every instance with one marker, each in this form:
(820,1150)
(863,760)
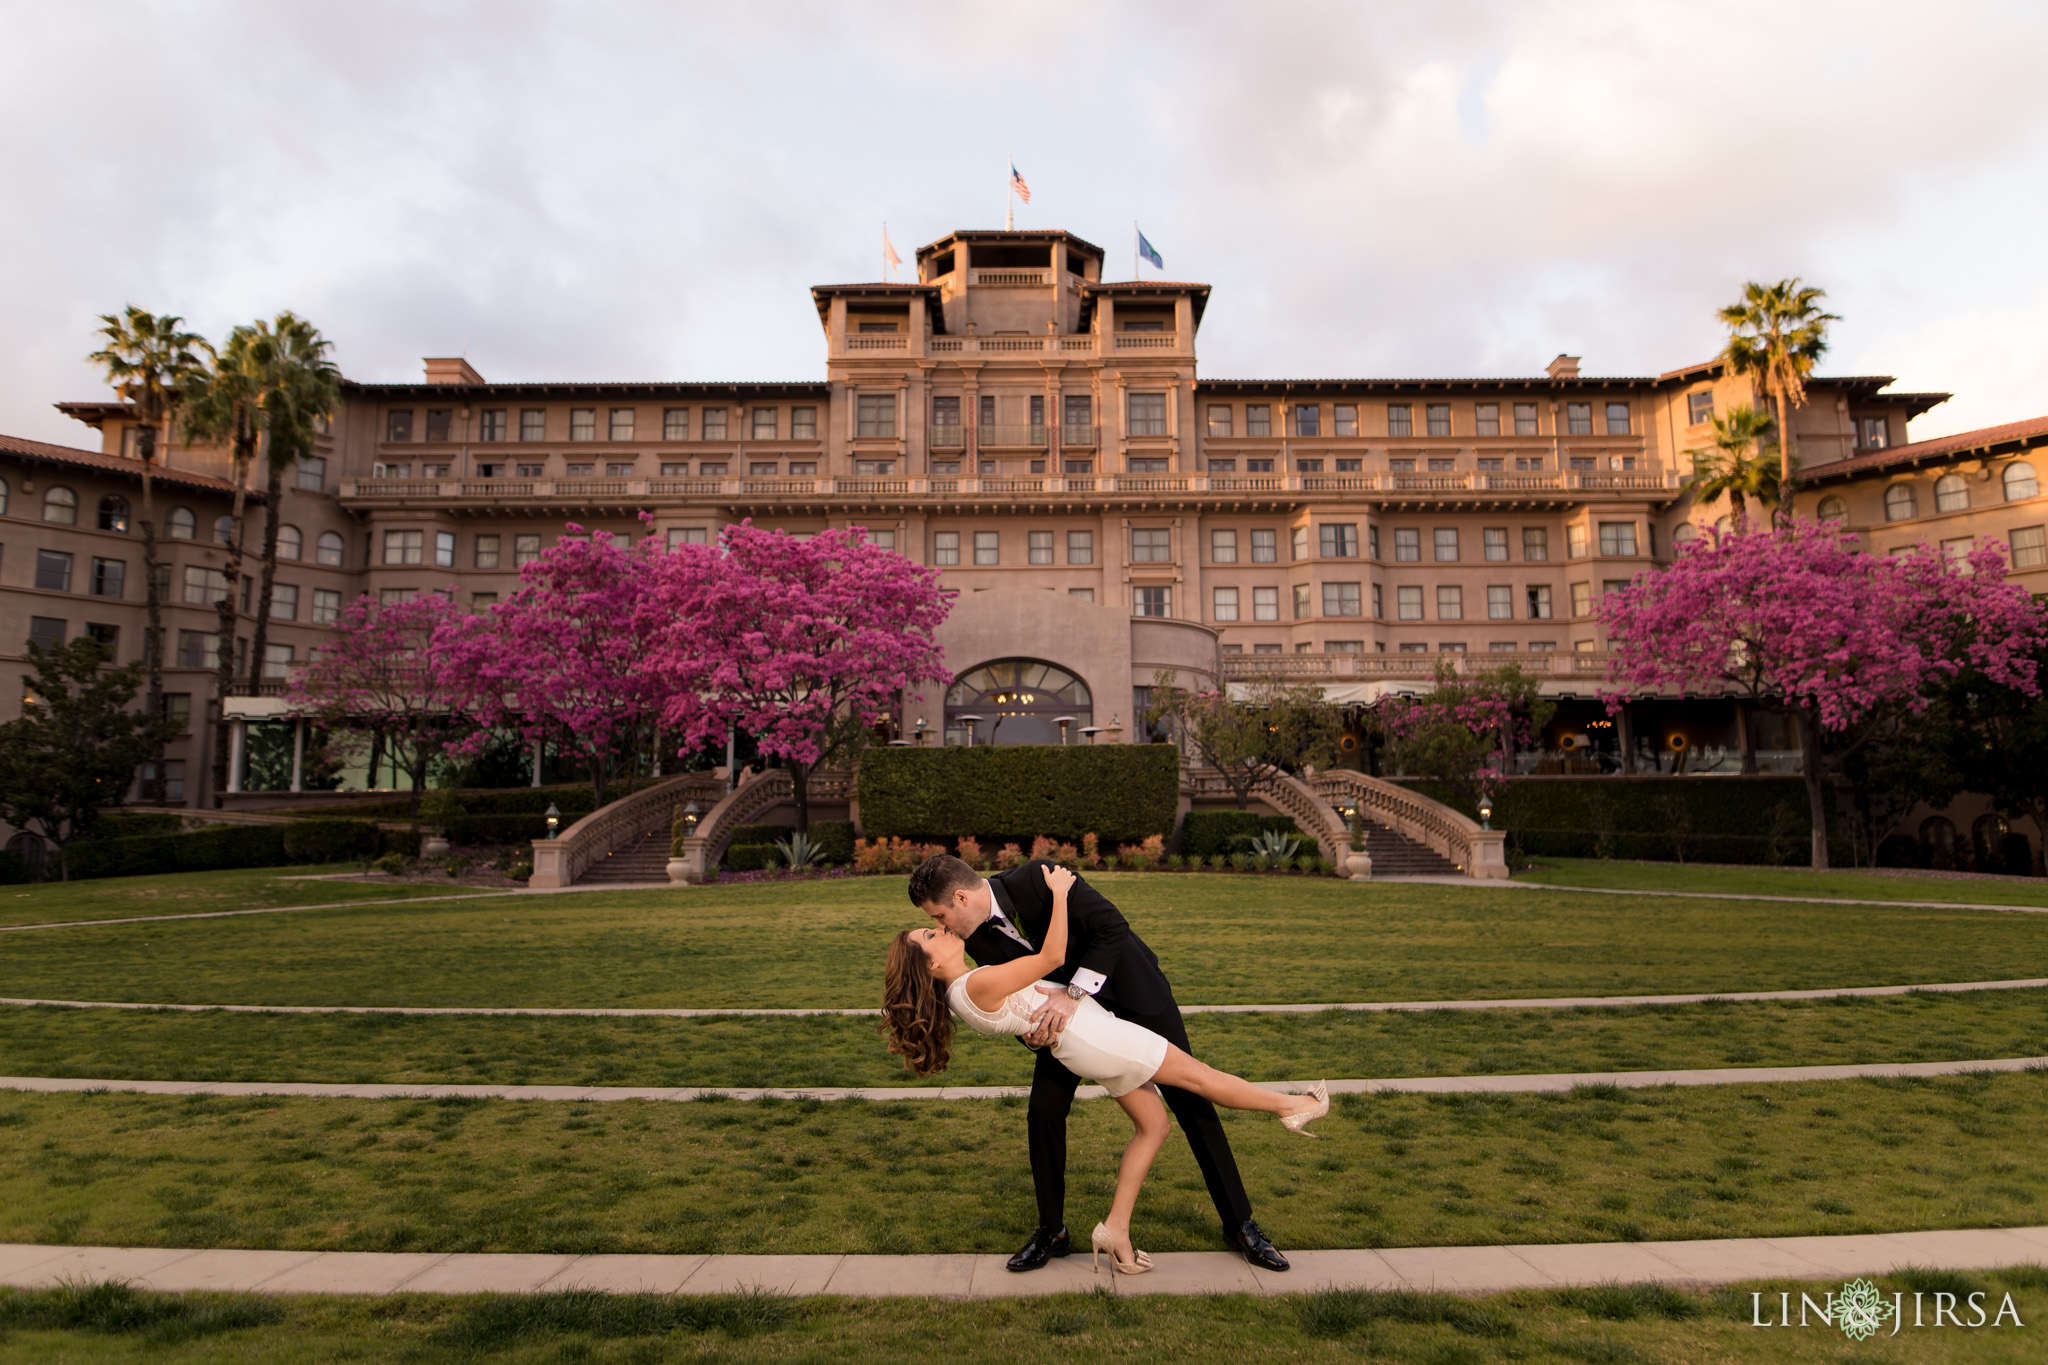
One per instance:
(2016,435)
(118,465)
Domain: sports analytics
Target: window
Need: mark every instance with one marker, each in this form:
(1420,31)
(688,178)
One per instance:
(1408,604)
(387,596)
(1486,419)
(53,570)
(1494,539)
(1407,545)
(326,606)
(525,549)
(1219,419)
(1399,466)
(1258,419)
(533,424)
(2019,481)
(1265,547)
(1699,407)
(1299,550)
(1152,602)
(623,469)
(1617,419)
(1439,419)
(583,469)
(1372,541)
(1535,544)
(1582,599)
(700,535)
(1529,464)
(1148,418)
(1445,547)
(198,649)
(1341,599)
(1400,420)
(1038,547)
(444,549)
(1831,509)
(1378,605)
(874,468)
(2029,547)
(803,424)
(114,515)
(1500,602)
(875,414)
(583,424)
(1343,646)
(986,548)
(1308,419)
(439,423)
(403,547)
(1450,603)
(1575,541)
(277,660)
(1617,537)
(312,473)
(328,549)
(398,424)
(1951,494)
(1150,546)
(1872,433)
(290,543)
(46,633)
(1442,465)
(1308,466)
(1956,550)
(675,424)
(1225,604)
(1578,419)
(711,469)
(109,576)
(1223,547)
(1899,502)
(60,506)
(284,601)
(203,586)
(620,425)
(1138,465)
(1684,535)
(1525,419)
(1080,547)
(766,422)
(224,530)
(1301,602)
(1252,466)
(1346,416)
(1339,540)
(945,547)
(491,425)
(1085,594)
(714,424)
(1265,604)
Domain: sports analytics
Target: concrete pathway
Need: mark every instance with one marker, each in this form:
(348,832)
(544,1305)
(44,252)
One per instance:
(1568,1002)
(1464,1270)
(1435,1085)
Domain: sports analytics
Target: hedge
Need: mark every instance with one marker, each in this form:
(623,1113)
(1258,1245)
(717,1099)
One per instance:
(573,802)
(752,857)
(331,841)
(471,830)
(1205,833)
(1121,792)
(1658,819)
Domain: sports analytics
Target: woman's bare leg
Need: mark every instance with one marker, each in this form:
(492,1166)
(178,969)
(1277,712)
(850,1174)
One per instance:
(1220,1087)
(1148,1117)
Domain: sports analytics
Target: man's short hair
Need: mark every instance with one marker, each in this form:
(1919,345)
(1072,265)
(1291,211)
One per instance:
(938,877)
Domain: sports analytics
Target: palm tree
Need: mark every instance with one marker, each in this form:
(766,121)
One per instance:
(304,387)
(150,362)
(1732,465)
(1776,335)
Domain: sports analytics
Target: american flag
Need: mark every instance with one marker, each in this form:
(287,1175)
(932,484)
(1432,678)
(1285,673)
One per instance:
(1017,184)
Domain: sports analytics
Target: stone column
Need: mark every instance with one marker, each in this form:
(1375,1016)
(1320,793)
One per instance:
(299,754)
(1624,725)
(238,745)
(536,764)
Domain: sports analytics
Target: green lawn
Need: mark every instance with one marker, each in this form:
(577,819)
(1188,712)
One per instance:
(909,1176)
(1606,1325)
(186,893)
(1618,1324)
(1223,940)
(820,1051)
(1849,884)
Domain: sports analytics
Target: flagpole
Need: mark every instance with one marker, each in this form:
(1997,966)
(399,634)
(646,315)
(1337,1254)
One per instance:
(886,276)
(1010,193)
(1134,250)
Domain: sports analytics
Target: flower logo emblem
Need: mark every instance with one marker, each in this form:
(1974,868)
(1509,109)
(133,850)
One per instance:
(1860,1310)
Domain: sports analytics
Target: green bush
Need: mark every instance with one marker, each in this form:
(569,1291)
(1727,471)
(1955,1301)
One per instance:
(574,803)
(1122,792)
(834,838)
(759,834)
(1205,833)
(331,841)
(472,830)
(752,857)
(120,824)
(403,842)
(224,846)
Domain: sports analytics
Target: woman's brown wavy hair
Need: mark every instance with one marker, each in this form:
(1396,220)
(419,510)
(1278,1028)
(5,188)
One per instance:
(915,1017)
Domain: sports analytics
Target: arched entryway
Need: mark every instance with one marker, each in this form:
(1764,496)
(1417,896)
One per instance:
(1019,701)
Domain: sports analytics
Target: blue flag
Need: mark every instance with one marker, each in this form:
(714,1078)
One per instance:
(1149,252)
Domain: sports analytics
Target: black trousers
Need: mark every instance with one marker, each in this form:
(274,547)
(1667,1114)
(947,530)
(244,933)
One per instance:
(1052,1096)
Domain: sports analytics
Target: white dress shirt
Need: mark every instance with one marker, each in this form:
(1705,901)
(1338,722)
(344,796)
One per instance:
(1088,979)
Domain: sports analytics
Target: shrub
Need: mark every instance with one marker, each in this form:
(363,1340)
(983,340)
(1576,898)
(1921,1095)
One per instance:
(1120,791)
(1307,862)
(1219,861)
(496,829)
(394,863)
(1042,847)
(1011,856)
(331,841)
(403,842)
(896,857)
(223,846)
(834,839)
(520,870)
(968,851)
(1206,833)
(1091,851)
(751,857)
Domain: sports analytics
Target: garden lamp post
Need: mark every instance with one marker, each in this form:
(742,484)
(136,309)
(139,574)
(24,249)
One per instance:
(554,818)
(690,817)
(1063,722)
(1486,812)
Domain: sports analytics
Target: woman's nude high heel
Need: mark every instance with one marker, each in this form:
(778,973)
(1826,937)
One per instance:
(1298,1123)
(1103,1241)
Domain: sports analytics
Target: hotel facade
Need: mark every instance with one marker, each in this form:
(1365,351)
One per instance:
(1045,438)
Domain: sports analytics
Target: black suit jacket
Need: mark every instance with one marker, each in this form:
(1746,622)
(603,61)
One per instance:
(1098,937)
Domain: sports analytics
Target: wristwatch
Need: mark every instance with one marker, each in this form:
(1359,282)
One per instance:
(1074,991)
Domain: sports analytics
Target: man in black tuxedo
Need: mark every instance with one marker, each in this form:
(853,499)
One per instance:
(1001,918)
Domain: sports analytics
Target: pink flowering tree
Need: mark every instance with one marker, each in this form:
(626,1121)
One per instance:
(377,677)
(1465,732)
(562,658)
(1802,621)
(805,644)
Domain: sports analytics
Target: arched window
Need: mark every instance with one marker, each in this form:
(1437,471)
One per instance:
(1987,842)
(1951,494)
(1899,502)
(2020,481)
(224,530)
(290,544)
(181,524)
(60,505)
(3,497)
(114,514)
(328,548)
(1683,537)
(1725,524)
(1938,842)
(1833,509)
(1018,701)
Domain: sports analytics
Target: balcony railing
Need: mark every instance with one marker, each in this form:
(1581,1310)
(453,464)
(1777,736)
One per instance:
(1079,434)
(1581,664)
(1076,344)
(1030,436)
(876,342)
(952,436)
(1146,341)
(1009,279)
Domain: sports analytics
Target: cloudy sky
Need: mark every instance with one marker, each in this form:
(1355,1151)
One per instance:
(645,191)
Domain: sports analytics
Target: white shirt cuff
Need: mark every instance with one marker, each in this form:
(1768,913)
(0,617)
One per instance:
(1089,981)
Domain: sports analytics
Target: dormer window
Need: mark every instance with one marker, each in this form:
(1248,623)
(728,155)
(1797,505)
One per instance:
(878,329)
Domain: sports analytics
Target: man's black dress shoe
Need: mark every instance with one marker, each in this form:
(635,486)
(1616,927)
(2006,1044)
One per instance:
(1047,1243)
(1257,1248)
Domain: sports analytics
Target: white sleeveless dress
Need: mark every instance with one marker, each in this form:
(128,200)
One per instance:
(1116,1054)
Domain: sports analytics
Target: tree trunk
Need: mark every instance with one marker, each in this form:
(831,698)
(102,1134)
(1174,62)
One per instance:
(800,777)
(2038,812)
(153,613)
(1745,730)
(1782,513)
(260,631)
(242,448)
(1816,802)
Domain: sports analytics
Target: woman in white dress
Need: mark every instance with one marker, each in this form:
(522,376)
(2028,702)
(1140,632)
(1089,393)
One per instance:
(929,983)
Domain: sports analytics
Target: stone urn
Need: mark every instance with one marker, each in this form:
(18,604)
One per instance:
(678,871)
(434,845)
(1358,863)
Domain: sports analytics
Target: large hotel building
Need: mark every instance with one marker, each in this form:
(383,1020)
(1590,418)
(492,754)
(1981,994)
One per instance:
(1044,437)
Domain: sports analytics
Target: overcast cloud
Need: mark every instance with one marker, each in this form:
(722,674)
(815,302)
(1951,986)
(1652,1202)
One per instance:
(646,191)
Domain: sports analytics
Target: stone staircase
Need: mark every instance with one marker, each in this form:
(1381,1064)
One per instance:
(1395,855)
(643,860)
